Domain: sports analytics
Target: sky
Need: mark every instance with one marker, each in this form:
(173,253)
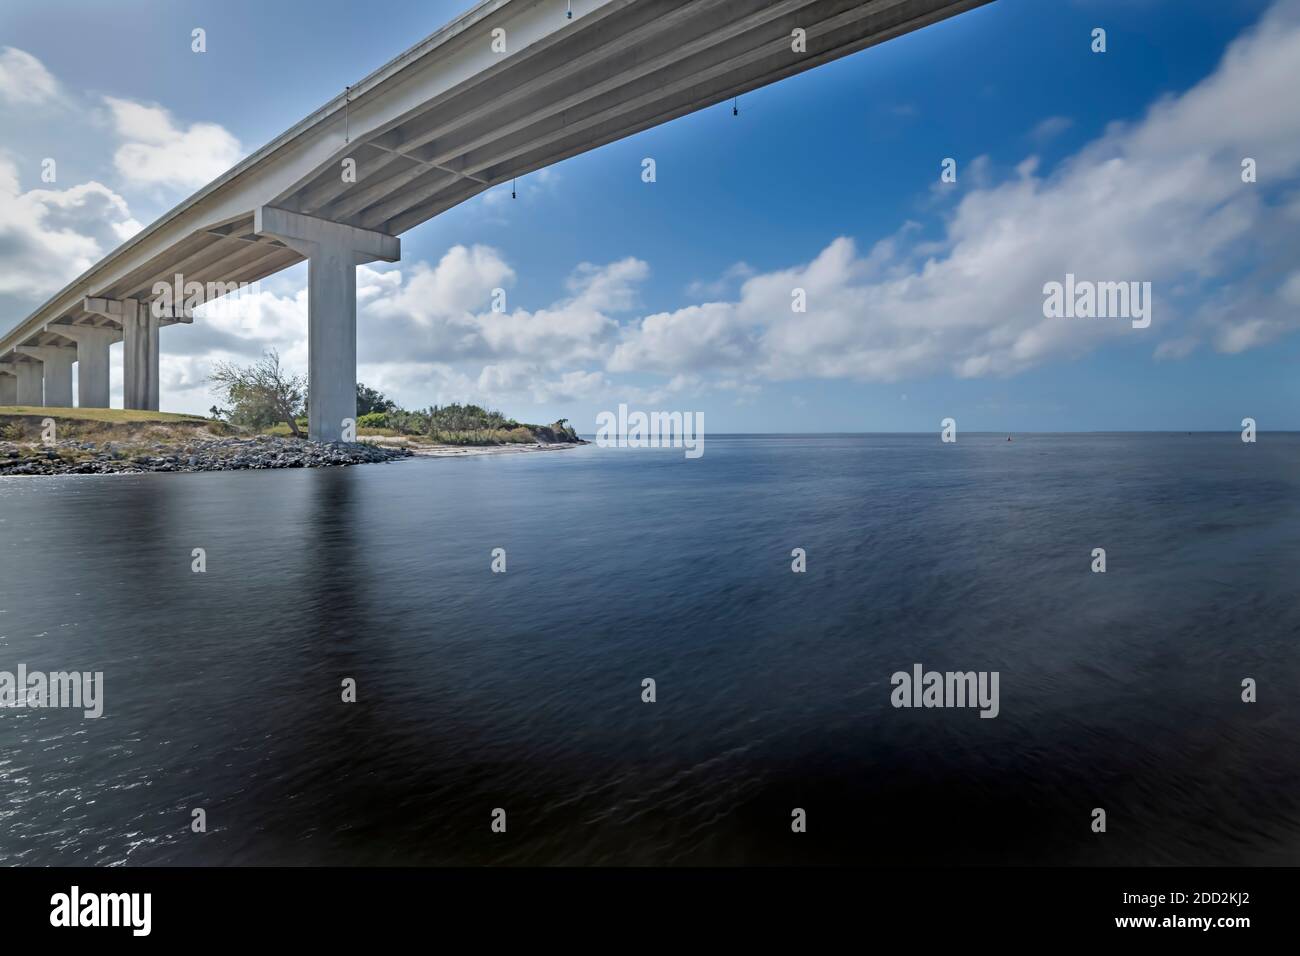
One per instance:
(924,299)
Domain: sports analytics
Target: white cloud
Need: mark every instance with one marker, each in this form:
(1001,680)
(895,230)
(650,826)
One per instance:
(461,283)
(443,313)
(24,81)
(719,287)
(158,152)
(426,333)
(610,288)
(499,383)
(50,236)
(1051,127)
(1159,201)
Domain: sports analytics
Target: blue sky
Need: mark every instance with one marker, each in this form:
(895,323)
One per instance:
(924,299)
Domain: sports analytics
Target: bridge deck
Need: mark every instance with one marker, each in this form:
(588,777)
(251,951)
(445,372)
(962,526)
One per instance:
(453,116)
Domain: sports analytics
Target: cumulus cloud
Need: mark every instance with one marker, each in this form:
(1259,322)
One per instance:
(461,283)
(609,288)
(444,312)
(1161,200)
(158,152)
(436,338)
(24,80)
(50,236)
(426,332)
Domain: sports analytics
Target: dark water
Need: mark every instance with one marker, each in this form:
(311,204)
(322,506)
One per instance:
(523,691)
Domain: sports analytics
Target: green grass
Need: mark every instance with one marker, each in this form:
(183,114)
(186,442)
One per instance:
(484,436)
(281,430)
(114,416)
(23,423)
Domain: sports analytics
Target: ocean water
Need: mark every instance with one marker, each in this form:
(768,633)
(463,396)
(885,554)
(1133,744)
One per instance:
(523,690)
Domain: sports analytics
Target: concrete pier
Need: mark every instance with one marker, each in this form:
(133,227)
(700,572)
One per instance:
(56,370)
(140,349)
(8,387)
(333,252)
(29,390)
(92,361)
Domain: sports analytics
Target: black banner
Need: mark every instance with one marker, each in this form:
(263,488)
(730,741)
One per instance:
(333,906)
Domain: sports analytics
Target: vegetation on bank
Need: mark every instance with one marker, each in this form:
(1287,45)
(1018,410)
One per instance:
(463,425)
(265,398)
(106,415)
(25,424)
(259,395)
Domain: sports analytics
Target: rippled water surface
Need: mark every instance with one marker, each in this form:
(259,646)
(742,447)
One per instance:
(523,690)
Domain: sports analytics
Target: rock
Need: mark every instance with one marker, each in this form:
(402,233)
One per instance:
(224,454)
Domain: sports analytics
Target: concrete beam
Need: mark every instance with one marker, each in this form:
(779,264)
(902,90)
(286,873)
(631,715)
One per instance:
(92,361)
(565,86)
(140,352)
(333,253)
(305,233)
(8,387)
(212,262)
(56,371)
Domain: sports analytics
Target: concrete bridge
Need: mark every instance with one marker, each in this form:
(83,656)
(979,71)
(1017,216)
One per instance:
(509,87)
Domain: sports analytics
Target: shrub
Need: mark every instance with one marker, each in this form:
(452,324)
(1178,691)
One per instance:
(371,400)
(261,394)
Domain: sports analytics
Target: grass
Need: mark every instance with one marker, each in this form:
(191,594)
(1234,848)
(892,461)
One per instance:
(107,416)
(485,436)
(23,423)
(281,430)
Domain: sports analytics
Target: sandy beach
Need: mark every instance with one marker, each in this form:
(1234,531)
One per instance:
(424,450)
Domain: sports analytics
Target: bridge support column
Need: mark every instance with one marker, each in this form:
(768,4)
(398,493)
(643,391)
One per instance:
(140,351)
(92,361)
(56,370)
(8,388)
(29,383)
(333,252)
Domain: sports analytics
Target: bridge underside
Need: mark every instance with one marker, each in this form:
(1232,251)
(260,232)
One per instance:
(616,68)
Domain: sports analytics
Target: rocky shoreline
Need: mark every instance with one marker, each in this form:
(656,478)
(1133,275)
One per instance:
(71,457)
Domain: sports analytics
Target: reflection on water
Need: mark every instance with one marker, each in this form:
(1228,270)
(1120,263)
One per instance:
(523,690)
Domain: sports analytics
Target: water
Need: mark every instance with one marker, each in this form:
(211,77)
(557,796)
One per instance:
(523,691)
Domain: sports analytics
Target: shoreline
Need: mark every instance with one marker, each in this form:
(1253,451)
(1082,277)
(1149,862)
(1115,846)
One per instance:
(418,450)
(261,452)
(203,454)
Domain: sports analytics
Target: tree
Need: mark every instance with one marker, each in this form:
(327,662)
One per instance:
(261,394)
(372,400)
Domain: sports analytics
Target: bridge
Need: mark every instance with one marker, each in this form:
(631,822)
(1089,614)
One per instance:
(507,88)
